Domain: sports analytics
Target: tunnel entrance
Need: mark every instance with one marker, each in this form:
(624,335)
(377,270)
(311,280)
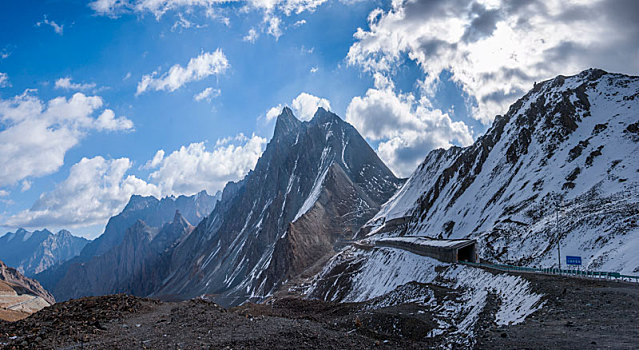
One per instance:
(467,253)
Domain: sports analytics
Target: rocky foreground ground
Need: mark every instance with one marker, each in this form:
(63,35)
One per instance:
(581,314)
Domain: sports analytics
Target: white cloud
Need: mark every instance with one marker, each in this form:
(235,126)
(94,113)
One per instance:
(251,36)
(301,22)
(108,121)
(107,7)
(157,159)
(56,27)
(494,49)
(4,193)
(273,112)
(95,190)
(26,185)
(193,168)
(4,80)
(273,26)
(405,127)
(67,84)
(305,105)
(198,68)
(272,10)
(4,54)
(37,135)
(98,188)
(207,94)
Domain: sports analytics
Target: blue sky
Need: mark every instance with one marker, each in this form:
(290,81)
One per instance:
(80,132)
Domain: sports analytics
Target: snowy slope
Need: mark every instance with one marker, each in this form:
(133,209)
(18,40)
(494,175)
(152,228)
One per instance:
(572,138)
(385,274)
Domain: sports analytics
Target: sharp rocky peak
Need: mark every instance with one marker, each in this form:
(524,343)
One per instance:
(286,123)
(324,116)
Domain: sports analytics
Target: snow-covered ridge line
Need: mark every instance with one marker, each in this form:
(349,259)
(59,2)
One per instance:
(574,139)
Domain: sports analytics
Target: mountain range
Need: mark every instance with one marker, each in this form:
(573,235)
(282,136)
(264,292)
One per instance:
(33,252)
(99,267)
(558,169)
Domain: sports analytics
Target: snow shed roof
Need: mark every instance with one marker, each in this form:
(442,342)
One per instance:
(431,242)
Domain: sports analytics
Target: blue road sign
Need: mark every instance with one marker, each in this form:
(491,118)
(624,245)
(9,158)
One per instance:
(573,260)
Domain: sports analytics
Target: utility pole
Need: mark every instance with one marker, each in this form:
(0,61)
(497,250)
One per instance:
(558,236)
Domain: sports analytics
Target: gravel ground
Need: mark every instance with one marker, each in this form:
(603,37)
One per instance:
(578,314)
(115,322)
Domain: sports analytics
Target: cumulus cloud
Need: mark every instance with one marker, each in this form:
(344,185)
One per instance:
(251,36)
(155,162)
(406,128)
(67,84)
(107,121)
(198,68)
(4,80)
(36,135)
(56,27)
(194,167)
(98,188)
(95,190)
(207,94)
(494,49)
(304,107)
(273,112)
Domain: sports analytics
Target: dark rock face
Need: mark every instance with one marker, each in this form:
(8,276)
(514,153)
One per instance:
(34,252)
(133,267)
(87,274)
(313,186)
(154,212)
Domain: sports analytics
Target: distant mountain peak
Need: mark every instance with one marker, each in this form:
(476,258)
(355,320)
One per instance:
(322,116)
(137,202)
(286,123)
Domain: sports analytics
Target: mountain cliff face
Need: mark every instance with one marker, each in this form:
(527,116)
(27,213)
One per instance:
(136,266)
(313,186)
(154,212)
(20,296)
(34,252)
(85,274)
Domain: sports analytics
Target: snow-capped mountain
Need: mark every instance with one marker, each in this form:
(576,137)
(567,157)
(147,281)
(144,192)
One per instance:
(315,184)
(571,141)
(68,280)
(34,252)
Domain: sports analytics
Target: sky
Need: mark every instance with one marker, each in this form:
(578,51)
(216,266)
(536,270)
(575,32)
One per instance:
(100,100)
